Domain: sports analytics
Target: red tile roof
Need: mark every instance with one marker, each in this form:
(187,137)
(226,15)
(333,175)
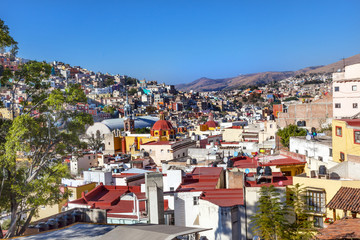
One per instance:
(201,178)
(157,143)
(283,161)
(347,228)
(162,125)
(244,162)
(351,122)
(224,197)
(346,198)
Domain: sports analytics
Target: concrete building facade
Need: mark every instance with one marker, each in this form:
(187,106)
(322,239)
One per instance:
(346,92)
(316,114)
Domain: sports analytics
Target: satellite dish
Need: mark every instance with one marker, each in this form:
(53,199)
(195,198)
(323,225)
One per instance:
(226,159)
(236,154)
(308,137)
(247,171)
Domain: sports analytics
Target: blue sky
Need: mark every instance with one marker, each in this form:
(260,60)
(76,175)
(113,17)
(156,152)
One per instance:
(178,41)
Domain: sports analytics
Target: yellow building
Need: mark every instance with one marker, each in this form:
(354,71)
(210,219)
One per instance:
(320,192)
(76,191)
(7,113)
(163,129)
(345,139)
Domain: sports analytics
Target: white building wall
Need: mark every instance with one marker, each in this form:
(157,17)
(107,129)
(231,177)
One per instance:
(184,209)
(172,179)
(311,148)
(98,177)
(348,92)
(217,218)
(79,164)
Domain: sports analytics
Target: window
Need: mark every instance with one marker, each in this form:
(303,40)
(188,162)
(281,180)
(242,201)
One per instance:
(330,152)
(338,131)
(172,189)
(316,201)
(354,87)
(244,148)
(88,157)
(355,105)
(270,125)
(306,152)
(356,136)
(196,200)
(320,159)
(297,151)
(162,150)
(336,89)
(318,222)
(109,143)
(342,156)
(337,105)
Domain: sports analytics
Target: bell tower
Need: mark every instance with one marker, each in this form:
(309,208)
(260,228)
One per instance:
(129,123)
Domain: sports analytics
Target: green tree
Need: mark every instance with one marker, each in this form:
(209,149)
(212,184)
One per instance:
(96,142)
(109,81)
(109,109)
(6,41)
(269,220)
(132,91)
(32,146)
(130,80)
(301,228)
(290,131)
(144,130)
(288,219)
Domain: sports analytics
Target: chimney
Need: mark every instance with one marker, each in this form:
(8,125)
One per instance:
(155,197)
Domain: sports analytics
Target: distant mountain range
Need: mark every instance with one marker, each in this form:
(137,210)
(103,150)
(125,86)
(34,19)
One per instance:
(208,84)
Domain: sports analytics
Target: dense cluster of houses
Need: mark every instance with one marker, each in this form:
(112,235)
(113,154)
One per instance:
(205,156)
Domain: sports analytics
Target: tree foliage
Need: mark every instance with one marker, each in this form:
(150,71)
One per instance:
(130,81)
(6,40)
(301,228)
(95,142)
(132,91)
(109,109)
(32,146)
(290,131)
(269,220)
(283,219)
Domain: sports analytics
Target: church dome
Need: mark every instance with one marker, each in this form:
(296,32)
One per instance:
(211,123)
(162,125)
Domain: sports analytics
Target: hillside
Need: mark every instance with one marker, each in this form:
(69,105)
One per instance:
(208,84)
(333,67)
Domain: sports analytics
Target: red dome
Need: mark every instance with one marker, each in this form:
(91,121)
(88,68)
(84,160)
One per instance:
(162,125)
(211,124)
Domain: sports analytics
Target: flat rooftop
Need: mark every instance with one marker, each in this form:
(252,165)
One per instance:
(88,231)
(82,231)
(325,140)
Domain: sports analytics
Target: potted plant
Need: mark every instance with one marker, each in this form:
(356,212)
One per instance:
(328,221)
